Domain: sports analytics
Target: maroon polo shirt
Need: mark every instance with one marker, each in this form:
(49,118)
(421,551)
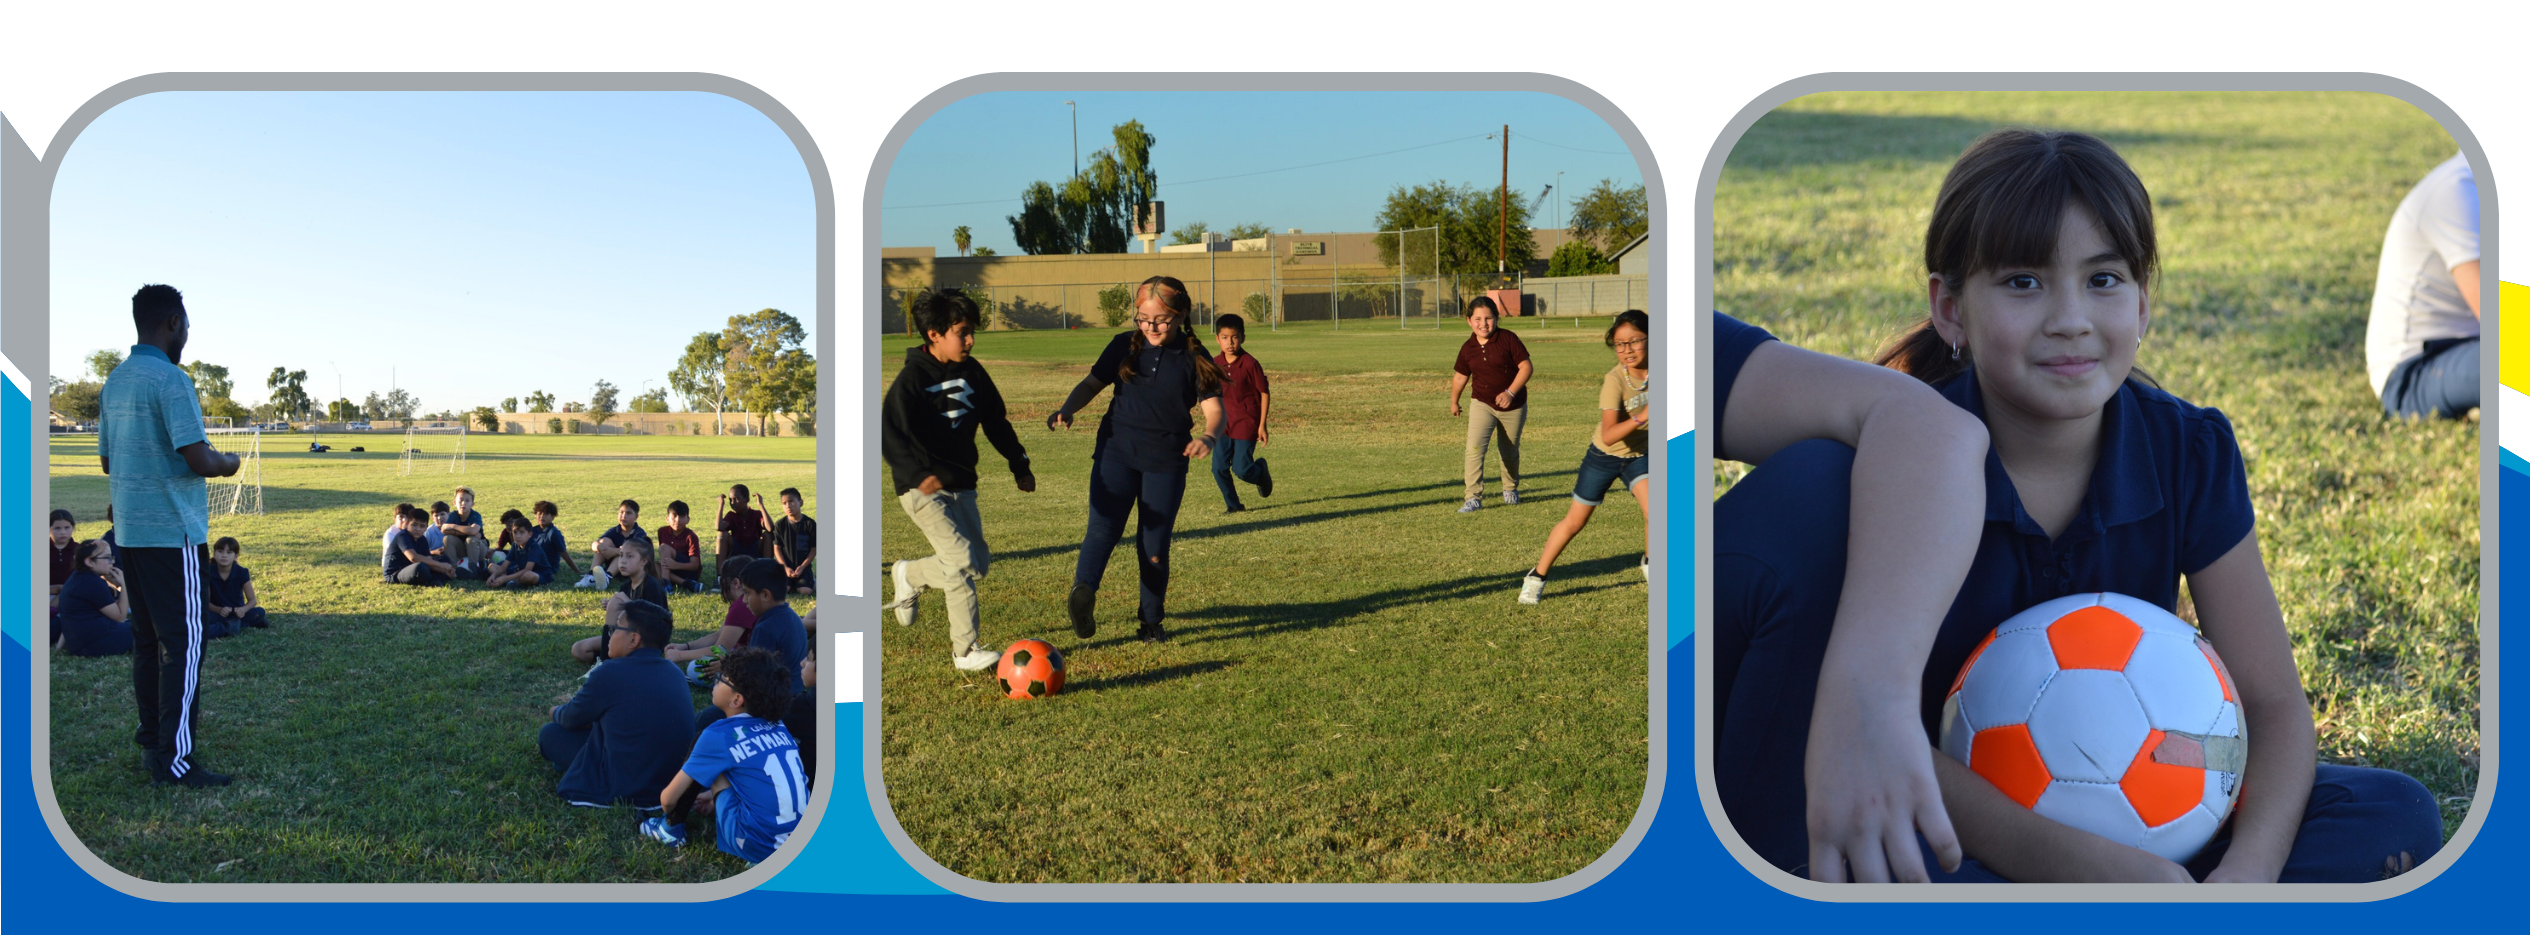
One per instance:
(1493,365)
(1242,383)
(65,561)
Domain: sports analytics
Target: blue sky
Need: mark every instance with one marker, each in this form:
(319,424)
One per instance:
(988,148)
(466,246)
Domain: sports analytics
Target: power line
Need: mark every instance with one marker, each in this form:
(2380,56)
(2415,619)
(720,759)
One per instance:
(1576,149)
(1218,178)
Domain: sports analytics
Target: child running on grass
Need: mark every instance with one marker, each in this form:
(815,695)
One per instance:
(927,431)
(228,591)
(680,551)
(2041,252)
(1245,399)
(1497,363)
(747,761)
(1619,452)
(736,625)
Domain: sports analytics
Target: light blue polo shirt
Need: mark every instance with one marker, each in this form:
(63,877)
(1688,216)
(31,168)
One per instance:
(147,411)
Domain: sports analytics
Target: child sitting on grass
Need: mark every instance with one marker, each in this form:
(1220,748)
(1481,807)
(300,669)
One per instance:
(524,562)
(622,736)
(735,627)
(778,628)
(96,610)
(795,544)
(634,563)
(408,560)
(747,760)
(557,548)
(228,592)
(680,551)
(602,552)
(65,556)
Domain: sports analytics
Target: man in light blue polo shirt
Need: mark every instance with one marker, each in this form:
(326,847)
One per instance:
(151,445)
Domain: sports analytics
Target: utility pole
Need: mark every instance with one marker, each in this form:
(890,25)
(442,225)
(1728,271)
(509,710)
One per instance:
(1076,136)
(1502,230)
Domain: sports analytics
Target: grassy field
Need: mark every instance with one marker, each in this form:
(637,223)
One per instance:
(387,734)
(2271,211)
(1353,693)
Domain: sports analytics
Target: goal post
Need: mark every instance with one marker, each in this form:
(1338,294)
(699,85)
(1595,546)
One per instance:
(243,494)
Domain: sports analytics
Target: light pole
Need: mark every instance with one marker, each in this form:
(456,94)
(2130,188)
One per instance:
(1559,201)
(338,384)
(1076,136)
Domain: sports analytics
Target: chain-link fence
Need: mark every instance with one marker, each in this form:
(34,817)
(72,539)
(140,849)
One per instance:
(1588,296)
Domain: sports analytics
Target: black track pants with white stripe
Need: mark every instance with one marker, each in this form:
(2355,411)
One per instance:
(167,620)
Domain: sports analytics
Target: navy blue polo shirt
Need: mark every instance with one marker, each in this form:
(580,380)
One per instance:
(1150,422)
(2169,496)
(1733,341)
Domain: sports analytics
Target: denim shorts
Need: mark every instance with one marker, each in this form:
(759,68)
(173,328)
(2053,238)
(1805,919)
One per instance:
(1600,469)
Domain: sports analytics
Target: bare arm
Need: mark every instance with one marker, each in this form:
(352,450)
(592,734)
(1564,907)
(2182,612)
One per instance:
(2237,606)
(200,459)
(2465,276)
(676,787)
(700,648)
(1614,425)
(1918,510)
(1083,393)
(1457,385)
(1264,405)
(1202,443)
(249,594)
(1519,381)
(2025,848)
(121,609)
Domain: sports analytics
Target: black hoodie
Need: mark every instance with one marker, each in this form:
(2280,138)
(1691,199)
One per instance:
(928,423)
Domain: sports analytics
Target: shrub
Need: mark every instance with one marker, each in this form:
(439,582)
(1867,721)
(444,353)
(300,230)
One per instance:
(1115,304)
(554,425)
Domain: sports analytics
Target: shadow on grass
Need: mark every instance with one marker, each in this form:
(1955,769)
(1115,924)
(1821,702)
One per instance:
(76,491)
(1243,621)
(1154,676)
(1281,522)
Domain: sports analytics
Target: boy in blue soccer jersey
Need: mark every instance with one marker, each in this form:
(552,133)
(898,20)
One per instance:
(747,760)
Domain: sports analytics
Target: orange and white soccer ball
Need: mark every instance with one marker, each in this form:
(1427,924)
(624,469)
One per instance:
(2106,713)
(1030,669)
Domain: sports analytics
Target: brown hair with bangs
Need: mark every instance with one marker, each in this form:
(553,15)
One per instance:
(2000,207)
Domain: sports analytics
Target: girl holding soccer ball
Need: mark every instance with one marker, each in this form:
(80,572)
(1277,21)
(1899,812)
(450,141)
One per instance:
(2040,255)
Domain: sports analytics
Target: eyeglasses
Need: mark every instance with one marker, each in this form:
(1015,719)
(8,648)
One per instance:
(1153,322)
(1636,343)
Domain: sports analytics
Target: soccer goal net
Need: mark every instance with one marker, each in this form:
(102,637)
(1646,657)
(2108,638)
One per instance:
(432,441)
(243,493)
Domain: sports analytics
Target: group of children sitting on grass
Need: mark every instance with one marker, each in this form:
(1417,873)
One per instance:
(91,611)
(445,543)
(632,733)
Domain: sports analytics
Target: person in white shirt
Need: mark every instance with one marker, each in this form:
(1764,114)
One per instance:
(2421,346)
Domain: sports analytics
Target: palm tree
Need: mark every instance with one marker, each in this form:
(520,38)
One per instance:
(964,237)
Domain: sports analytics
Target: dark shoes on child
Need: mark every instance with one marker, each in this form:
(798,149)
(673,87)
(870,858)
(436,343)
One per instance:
(1083,607)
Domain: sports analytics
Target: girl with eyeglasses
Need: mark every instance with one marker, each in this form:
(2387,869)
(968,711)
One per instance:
(1619,452)
(1161,373)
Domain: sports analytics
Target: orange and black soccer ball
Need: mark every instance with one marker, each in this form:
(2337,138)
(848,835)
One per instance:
(1031,669)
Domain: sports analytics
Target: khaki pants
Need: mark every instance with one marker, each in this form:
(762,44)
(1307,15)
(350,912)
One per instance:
(1486,425)
(956,530)
(469,548)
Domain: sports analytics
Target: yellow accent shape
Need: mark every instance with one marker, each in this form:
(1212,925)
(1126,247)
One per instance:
(2513,369)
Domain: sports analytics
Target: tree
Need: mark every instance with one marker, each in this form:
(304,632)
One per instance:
(1189,234)
(1039,227)
(573,406)
(964,236)
(1578,258)
(484,416)
(212,390)
(985,251)
(286,389)
(1469,218)
(540,401)
(764,361)
(698,377)
(654,401)
(1609,217)
(79,402)
(509,404)
(1091,212)
(341,410)
(602,402)
(102,363)
(1248,231)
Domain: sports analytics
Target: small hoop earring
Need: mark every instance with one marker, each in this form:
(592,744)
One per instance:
(1954,352)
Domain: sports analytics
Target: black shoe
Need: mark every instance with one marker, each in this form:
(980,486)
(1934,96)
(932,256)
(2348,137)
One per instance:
(194,778)
(1084,605)
(1265,487)
(1152,633)
(1234,508)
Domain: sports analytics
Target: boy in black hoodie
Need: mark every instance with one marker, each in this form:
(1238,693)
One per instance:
(927,435)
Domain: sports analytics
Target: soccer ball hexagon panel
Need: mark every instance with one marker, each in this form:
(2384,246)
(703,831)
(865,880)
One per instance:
(2105,713)
(1030,669)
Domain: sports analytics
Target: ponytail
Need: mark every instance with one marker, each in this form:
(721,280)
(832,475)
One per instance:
(1173,293)
(1920,352)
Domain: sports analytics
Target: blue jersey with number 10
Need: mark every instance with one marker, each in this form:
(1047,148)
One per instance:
(768,788)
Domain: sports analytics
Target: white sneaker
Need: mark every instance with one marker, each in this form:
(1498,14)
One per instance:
(1532,588)
(586,581)
(1646,567)
(906,594)
(977,659)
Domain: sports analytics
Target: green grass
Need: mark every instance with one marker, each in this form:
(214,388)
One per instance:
(387,734)
(2271,211)
(1353,693)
